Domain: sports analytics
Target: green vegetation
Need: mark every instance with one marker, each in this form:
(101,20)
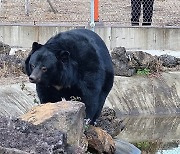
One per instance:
(143,145)
(144,71)
(150,147)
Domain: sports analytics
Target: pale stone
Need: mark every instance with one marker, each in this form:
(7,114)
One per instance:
(4,150)
(66,116)
(123,147)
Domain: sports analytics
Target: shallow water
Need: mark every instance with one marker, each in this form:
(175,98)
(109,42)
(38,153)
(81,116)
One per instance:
(153,134)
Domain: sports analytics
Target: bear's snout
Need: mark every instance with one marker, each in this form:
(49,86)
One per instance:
(33,79)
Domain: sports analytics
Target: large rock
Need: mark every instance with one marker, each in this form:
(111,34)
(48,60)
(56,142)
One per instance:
(99,141)
(19,137)
(120,61)
(65,116)
(169,61)
(127,63)
(142,60)
(4,48)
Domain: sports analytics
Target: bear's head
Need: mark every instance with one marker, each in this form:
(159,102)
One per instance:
(46,67)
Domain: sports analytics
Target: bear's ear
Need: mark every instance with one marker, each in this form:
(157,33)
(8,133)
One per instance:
(36,46)
(26,68)
(64,56)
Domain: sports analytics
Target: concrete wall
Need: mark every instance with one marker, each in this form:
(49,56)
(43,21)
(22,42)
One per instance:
(138,95)
(140,38)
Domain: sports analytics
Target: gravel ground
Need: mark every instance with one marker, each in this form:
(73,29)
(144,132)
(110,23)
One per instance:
(112,12)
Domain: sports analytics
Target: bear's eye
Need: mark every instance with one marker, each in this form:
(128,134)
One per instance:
(44,69)
(32,66)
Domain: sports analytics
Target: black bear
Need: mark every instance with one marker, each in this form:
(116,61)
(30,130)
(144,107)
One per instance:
(73,63)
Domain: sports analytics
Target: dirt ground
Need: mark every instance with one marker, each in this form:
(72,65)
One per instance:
(112,12)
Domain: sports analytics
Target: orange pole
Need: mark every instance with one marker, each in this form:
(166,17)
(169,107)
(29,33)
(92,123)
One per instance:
(96,10)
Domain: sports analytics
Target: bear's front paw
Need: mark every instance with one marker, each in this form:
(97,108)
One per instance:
(87,121)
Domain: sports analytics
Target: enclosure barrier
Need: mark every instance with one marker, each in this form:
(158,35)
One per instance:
(132,38)
(160,13)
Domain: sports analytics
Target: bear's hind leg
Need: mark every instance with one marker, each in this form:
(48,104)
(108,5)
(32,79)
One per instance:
(91,103)
(102,98)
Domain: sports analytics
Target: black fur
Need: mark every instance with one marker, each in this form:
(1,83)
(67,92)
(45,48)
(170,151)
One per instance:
(73,63)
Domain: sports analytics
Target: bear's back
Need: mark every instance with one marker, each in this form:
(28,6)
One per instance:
(85,46)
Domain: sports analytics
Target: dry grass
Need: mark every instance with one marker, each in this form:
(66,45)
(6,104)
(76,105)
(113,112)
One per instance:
(12,65)
(8,69)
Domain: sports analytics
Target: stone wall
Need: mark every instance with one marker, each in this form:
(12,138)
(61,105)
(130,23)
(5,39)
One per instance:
(146,94)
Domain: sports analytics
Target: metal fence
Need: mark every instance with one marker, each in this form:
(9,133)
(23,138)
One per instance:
(163,12)
(112,12)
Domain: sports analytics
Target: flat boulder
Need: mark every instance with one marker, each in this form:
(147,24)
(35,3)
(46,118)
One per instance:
(66,116)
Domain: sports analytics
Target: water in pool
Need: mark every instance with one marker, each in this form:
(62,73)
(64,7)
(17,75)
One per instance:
(153,134)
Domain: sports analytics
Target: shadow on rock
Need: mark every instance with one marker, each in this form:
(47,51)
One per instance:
(109,122)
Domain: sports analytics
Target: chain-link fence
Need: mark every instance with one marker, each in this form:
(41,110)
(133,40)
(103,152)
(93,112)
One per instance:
(160,12)
(112,12)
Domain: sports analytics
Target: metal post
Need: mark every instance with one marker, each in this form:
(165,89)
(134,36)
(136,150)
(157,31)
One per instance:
(0,5)
(27,7)
(96,10)
(92,24)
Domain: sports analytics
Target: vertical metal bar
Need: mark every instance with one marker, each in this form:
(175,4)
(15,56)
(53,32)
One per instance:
(92,24)
(27,7)
(96,10)
(51,6)
(0,5)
